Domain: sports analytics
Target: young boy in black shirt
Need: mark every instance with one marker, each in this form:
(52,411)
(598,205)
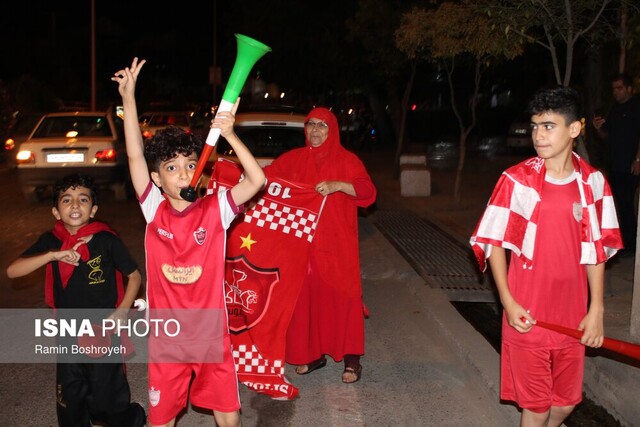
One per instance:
(85,261)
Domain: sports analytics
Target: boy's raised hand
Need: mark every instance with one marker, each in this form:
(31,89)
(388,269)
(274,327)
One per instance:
(224,120)
(127,77)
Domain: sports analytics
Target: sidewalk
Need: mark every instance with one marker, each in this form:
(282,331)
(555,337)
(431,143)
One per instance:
(610,380)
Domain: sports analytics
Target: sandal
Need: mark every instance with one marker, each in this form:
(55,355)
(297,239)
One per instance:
(349,371)
(310,367)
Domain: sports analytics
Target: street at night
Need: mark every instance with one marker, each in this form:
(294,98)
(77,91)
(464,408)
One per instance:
(413,373)
(435,99)
(422,359)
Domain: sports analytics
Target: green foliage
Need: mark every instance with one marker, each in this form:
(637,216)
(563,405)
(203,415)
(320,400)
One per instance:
(539,19)
(556,25)
(453,29)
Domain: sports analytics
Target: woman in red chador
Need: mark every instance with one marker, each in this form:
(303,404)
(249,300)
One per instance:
(328,318)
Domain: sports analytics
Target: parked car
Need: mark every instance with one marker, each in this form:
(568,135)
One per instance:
(519,136)
(152,121)
(266,133)
(73,142)
(443,153)
(488,146)
(19,130)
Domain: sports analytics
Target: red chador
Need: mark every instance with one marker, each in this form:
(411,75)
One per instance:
(328,318)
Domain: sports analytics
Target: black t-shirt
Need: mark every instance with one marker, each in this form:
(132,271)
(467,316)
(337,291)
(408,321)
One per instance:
(623,130)
(93,283)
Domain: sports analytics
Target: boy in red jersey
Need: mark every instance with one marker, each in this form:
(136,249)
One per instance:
(185,251)
(556,215)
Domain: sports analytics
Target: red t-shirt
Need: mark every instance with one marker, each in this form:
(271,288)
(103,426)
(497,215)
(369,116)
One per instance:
(555,289)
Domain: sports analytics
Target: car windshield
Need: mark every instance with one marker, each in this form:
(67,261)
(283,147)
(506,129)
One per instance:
(73,127)
(270,142)
(167,120)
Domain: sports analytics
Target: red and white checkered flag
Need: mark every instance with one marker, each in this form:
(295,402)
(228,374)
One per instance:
(267,257)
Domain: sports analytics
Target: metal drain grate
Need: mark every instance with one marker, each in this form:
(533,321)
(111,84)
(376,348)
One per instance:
(440,259)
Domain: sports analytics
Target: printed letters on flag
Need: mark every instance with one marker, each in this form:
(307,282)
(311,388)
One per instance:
(267,257)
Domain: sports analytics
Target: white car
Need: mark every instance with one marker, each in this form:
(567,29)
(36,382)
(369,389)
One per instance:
(519,136)
(21,127)
(152,121)
(91,143)
(266,133)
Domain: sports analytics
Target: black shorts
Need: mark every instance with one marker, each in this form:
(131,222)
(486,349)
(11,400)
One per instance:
(88,392)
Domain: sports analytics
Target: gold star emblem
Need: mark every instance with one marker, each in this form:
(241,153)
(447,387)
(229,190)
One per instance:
(247,242)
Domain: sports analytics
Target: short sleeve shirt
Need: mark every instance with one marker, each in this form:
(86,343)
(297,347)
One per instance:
(93,283)
(555,288)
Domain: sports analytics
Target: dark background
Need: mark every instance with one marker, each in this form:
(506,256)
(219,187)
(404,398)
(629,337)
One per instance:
(317,58)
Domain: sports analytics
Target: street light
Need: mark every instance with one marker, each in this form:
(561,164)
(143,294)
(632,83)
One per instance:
(214,81)
(93,56)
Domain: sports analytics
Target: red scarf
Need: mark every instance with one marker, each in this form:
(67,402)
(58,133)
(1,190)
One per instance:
(510,219)
(66,270)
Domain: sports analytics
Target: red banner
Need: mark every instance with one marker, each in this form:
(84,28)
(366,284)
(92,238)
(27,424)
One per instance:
(267,256)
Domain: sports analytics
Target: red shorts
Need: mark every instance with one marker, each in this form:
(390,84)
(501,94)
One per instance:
(537,379)
(215,387)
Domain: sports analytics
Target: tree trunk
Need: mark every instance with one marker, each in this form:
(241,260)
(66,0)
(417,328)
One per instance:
(395,108)
(593,105)
(624,32)
(464,130)
(554,54)
(403,119)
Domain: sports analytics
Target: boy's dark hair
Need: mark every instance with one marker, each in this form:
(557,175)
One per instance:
(625,78)
(560,100)
(73,181)
(167,143)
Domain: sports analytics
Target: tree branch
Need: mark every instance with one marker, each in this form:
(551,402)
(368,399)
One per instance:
(594,20)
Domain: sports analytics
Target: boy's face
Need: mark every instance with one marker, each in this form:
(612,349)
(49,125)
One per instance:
(75,208)
(552,135)
(175,174)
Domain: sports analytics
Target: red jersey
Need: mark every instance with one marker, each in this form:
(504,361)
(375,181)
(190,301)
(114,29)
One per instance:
(555,289)
(185,252)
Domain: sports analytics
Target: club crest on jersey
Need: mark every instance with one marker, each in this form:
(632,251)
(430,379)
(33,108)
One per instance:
(577,211)
(154,396)
(200,235)
(247,292)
